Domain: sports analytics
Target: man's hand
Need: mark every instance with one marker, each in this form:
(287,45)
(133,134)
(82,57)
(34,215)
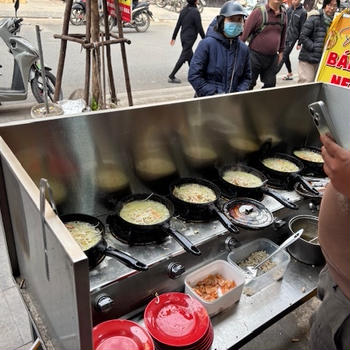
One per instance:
(172,42)
(298,47)
(336,165)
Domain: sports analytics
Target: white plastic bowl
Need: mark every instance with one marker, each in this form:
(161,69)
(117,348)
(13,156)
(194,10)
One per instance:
(229,272)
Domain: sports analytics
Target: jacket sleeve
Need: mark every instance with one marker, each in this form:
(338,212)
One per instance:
(306,33)
(197,71)
(199,26)
(302,20)
(178,25)
(244,82)
(283,35)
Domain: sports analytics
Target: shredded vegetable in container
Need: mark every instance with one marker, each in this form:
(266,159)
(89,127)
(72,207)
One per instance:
(85,234)
(144,212)
(194,193)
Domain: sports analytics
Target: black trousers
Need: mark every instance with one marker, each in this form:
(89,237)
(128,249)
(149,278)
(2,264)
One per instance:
(265,66)
(186,55)
(288,49)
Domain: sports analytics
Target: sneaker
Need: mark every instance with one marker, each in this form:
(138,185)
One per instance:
(174,80)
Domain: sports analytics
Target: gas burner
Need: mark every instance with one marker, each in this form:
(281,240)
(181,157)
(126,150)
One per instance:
(279,183)
(316,182)
(127,237)
(248,213)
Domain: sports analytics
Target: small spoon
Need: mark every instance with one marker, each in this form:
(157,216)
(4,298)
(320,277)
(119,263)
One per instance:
(253,270)
(314,239)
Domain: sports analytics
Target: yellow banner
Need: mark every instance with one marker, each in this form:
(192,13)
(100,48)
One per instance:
(335,63)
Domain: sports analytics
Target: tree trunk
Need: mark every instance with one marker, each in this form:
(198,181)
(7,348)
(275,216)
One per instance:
(96,62)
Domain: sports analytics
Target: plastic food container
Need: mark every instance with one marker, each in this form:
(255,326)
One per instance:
(229,272)
(261,281)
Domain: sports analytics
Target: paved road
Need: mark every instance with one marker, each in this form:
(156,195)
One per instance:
(150,60)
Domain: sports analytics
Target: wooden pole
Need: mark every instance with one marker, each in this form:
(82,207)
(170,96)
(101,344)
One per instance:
(108,55)
(96,62)
(63,50)
(87,53)
(122,47)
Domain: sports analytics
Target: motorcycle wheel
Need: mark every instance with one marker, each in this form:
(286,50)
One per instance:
(38,88)
(178,5)
(161,3)
(142,22)
(77,17)
(111,23)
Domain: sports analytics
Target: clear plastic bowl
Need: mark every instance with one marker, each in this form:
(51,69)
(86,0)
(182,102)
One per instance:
(263,280)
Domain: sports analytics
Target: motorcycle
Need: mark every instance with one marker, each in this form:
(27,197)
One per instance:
(141,18)
(178,5)
(78,13)
(26,64)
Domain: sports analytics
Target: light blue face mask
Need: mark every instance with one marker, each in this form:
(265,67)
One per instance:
(233,29)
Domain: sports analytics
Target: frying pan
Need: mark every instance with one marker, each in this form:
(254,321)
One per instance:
(293,176)
(252,192)
(309,165)
(200,211)
(97,252)
(150,233)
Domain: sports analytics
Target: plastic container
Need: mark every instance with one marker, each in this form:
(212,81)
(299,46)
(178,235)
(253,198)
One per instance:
(229,272)
(261,281)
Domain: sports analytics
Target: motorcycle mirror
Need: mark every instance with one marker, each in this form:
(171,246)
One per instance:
(16,7)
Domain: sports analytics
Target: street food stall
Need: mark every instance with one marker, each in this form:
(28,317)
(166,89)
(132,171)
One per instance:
(95,164)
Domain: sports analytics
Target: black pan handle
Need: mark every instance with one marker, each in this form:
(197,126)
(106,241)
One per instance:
(126,259)
(279,198)
(186,243)
(306,184)
(223,218)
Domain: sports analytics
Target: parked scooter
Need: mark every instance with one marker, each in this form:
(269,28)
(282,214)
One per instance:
(78,13)
(141,18)
(26,64)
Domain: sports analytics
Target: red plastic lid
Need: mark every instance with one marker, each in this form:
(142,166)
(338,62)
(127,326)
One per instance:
(121,335)
(176,319)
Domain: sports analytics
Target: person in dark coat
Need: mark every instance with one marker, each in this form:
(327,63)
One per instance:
(296,15)
(191,25)
(312,39)
(221,62)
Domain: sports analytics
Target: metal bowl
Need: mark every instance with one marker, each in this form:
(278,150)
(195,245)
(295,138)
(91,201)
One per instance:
(306,249)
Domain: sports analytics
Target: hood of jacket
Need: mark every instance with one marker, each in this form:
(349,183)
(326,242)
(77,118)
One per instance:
(211,32)
(314,13)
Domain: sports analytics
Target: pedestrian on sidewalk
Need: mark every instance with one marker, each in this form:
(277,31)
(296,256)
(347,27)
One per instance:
(330,324)
(312,39)
(191,25)
(220,63)
(265,29)
(296,16)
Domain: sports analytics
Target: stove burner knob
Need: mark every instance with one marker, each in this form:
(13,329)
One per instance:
(103,303)
(231,243)
(175,270)
(312,206)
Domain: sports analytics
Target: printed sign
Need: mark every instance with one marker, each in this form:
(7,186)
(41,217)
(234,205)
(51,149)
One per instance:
(124,8)
(335,63)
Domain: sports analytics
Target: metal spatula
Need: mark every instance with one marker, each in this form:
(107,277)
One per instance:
(253,270)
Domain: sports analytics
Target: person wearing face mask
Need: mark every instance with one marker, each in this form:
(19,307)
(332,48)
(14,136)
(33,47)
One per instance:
(312,39)
(221,62)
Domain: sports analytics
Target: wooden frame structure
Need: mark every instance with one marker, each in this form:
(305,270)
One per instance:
(86,42)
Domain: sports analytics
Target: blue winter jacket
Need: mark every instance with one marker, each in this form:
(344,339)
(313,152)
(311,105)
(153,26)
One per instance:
(213,63)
